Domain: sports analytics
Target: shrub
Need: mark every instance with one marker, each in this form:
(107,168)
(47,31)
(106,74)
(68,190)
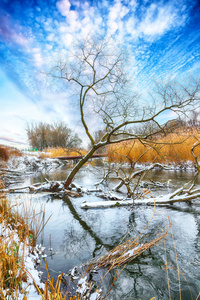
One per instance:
(4,153)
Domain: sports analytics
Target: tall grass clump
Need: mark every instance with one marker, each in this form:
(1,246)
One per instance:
(14,240)
(174,148)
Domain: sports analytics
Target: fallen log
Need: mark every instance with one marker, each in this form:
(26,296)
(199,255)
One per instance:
(72,157)
(161,200)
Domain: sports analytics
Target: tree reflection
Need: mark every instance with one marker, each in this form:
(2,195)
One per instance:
(81,242)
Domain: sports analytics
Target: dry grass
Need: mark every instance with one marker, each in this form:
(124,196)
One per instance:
(15,152)
(18,232)
(51,291)
(7,152)
(15,237)
(127,251)
(173,148)
(59,151)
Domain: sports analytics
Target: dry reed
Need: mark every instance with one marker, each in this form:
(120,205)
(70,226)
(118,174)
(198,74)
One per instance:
(128,250)
(15,235)
(59,151)
(173,148)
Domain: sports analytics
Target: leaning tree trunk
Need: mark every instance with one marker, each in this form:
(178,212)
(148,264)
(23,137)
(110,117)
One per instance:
(78,166)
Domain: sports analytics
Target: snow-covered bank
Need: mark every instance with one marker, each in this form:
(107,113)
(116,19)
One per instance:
(28,163)
(25,264)
(32,287)
(16,168)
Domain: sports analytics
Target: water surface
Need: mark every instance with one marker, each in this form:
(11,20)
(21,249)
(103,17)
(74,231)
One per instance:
(77,236)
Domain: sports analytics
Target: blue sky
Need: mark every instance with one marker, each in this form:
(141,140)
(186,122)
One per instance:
(162,37)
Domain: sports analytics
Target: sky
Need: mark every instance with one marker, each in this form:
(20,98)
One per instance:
(162,37)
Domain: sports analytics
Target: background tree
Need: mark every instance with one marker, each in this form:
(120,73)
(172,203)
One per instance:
(193,118)
(43,135)
(99,71)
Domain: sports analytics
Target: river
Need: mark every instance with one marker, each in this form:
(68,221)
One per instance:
(78,235)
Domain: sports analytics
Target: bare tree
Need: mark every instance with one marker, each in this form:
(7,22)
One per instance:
(193,118)
(42,135)
(98,70)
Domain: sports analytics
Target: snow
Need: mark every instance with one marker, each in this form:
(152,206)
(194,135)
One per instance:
(106,204)
(29,286)
(117,203)
(82,285)
(73,271)
(131,251)
(161,200)
(95,296)
(33,275)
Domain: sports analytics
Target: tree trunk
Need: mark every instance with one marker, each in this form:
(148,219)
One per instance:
(78,166)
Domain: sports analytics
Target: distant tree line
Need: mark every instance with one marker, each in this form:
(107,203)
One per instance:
(43,135)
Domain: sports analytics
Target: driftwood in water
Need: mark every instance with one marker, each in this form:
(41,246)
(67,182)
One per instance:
(180,195)
(132,180)
(54,187)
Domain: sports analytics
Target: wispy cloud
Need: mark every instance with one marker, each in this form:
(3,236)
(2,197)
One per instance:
(11,140)
(10,34)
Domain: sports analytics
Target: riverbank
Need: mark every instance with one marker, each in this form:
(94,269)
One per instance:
(18,254)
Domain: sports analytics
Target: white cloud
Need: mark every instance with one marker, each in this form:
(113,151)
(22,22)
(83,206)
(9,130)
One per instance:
(37,56)
(63,7)
(121,20)
(157,20)
(72,17)
(67,39)
(51,37)
(130,26)
(116,13)
(20,40)
(49,47)
(63,28)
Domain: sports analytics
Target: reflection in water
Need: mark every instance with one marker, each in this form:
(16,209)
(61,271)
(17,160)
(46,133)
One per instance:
(86,228)
(80,235)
